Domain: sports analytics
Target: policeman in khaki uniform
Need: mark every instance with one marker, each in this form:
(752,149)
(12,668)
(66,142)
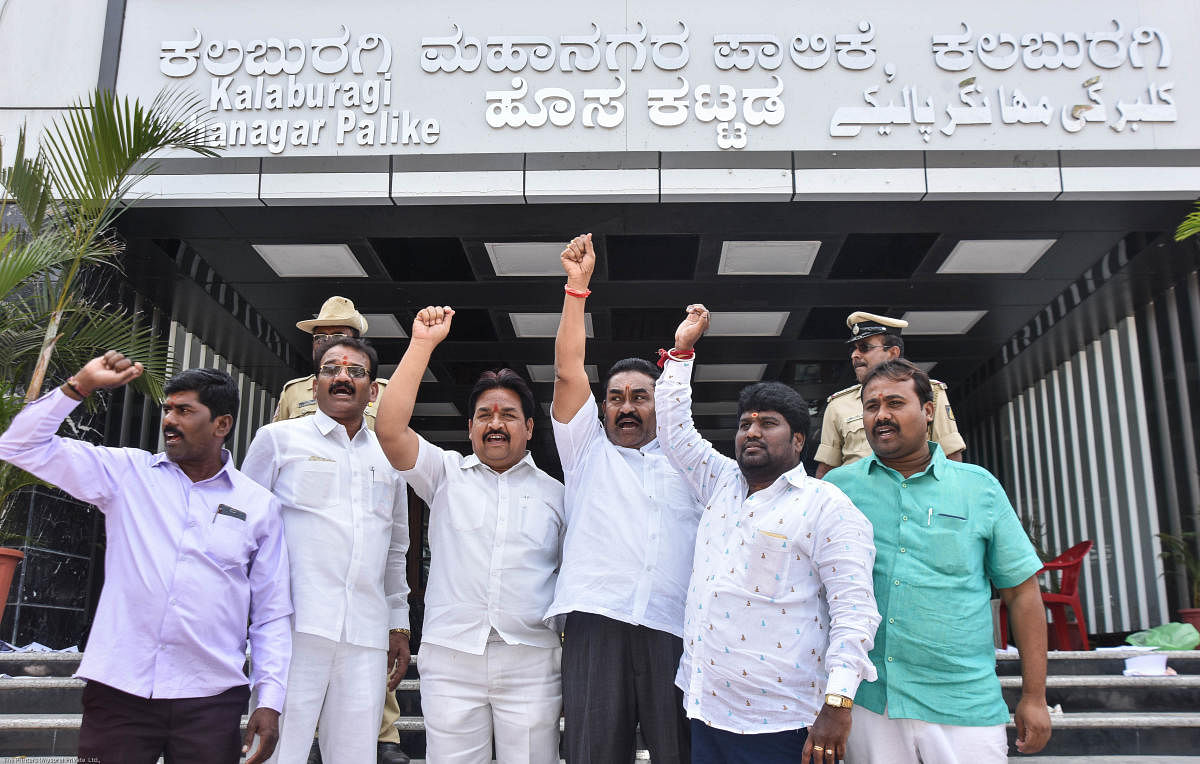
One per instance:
(875,339)
(338,318)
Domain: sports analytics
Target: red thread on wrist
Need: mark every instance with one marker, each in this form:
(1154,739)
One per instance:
(674,355)
(576,292)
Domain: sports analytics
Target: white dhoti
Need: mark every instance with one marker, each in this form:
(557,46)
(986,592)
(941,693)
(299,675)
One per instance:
(512,693)
(339,685)
(879,739)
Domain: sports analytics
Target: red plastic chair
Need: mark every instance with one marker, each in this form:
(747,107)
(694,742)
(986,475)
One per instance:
(1069,563)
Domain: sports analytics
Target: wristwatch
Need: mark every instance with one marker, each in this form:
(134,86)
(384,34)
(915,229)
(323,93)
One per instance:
(838,701)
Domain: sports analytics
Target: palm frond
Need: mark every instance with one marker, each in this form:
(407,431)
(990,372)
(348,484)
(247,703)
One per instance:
(28,184)
(93,151)
(1189,227)
(22,259)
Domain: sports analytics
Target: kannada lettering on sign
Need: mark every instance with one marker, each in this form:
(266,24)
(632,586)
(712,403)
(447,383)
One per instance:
(344,82)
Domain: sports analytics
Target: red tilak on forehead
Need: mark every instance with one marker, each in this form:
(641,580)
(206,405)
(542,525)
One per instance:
(754,415)
(495,408)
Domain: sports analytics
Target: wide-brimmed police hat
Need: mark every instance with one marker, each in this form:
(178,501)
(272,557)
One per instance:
(863,324)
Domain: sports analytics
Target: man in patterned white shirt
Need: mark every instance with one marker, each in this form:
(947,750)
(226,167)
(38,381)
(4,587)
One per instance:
(781,612)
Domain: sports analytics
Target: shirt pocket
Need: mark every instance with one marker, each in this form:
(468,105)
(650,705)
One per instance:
(466,507)
(383,485)
(769,556)
(539,523)
(948,541)
(228,542)
(316,484)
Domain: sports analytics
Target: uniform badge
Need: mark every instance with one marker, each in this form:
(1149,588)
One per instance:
(949,412)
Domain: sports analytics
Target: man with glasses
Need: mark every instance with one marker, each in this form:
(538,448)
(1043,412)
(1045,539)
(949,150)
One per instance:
(345,518)
(339,320)
(873,340)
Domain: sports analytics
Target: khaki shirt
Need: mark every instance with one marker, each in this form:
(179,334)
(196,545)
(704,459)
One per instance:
(844,439)
(297,400)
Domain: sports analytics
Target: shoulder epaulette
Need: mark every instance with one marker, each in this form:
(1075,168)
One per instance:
(840,393)
(938,383)
(291,382)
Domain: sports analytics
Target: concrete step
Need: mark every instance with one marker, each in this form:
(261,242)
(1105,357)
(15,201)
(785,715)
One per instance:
(1110,662)
(1113,693)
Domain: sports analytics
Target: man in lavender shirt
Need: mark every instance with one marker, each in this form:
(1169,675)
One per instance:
(195,552)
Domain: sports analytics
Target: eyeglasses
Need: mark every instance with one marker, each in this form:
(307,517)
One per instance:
(321,337)
(864,347)
(353,370)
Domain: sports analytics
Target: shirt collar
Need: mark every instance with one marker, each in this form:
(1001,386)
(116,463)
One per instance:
(937,463)
(650,448)
(473,461)
(327,424)
(161,459)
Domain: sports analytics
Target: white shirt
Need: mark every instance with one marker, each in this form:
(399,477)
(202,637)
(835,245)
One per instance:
(186,565)
(781,608)
(345,518)
(631,528)
(494,543)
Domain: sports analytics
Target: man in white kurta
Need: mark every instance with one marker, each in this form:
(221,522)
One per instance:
(489,663)
(345,518)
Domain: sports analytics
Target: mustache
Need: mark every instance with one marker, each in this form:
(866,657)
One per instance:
(501,433)
(880,425)
(631,417)
(341,386)
(172,431)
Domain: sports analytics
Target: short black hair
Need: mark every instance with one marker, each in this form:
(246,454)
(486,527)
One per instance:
(215,389)
(776,396)
(898,371)
(508,379)
(362,346)
(893,341)
(640,365)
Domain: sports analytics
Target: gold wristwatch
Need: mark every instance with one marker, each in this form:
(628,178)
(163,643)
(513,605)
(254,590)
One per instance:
(838,701)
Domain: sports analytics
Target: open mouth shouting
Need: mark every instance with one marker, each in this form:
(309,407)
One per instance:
(496,437)
(341,390)
(885,430)
(629,422)
(172,436)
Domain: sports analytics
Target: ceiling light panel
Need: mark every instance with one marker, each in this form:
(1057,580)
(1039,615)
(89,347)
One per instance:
(941,321)
(525,258)
(750,324)
(995,255)
(544,372)
(730,372)
(542,324)
(767,258)
(384,325)
(311,260)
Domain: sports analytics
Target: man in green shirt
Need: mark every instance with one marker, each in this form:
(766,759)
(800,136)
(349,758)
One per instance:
(945,533)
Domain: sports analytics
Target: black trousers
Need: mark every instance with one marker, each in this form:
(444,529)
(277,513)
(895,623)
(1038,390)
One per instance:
(119,728)
(614,676)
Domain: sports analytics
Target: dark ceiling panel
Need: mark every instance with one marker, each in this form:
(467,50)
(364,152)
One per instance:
(424,259)
(881,256)
(640,258)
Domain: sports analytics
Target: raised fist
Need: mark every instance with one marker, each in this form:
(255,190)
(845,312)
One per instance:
(692,327)
(112,369)
(579,260)
(432,324)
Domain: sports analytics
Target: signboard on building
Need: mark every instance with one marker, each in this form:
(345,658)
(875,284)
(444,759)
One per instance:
(381,77)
